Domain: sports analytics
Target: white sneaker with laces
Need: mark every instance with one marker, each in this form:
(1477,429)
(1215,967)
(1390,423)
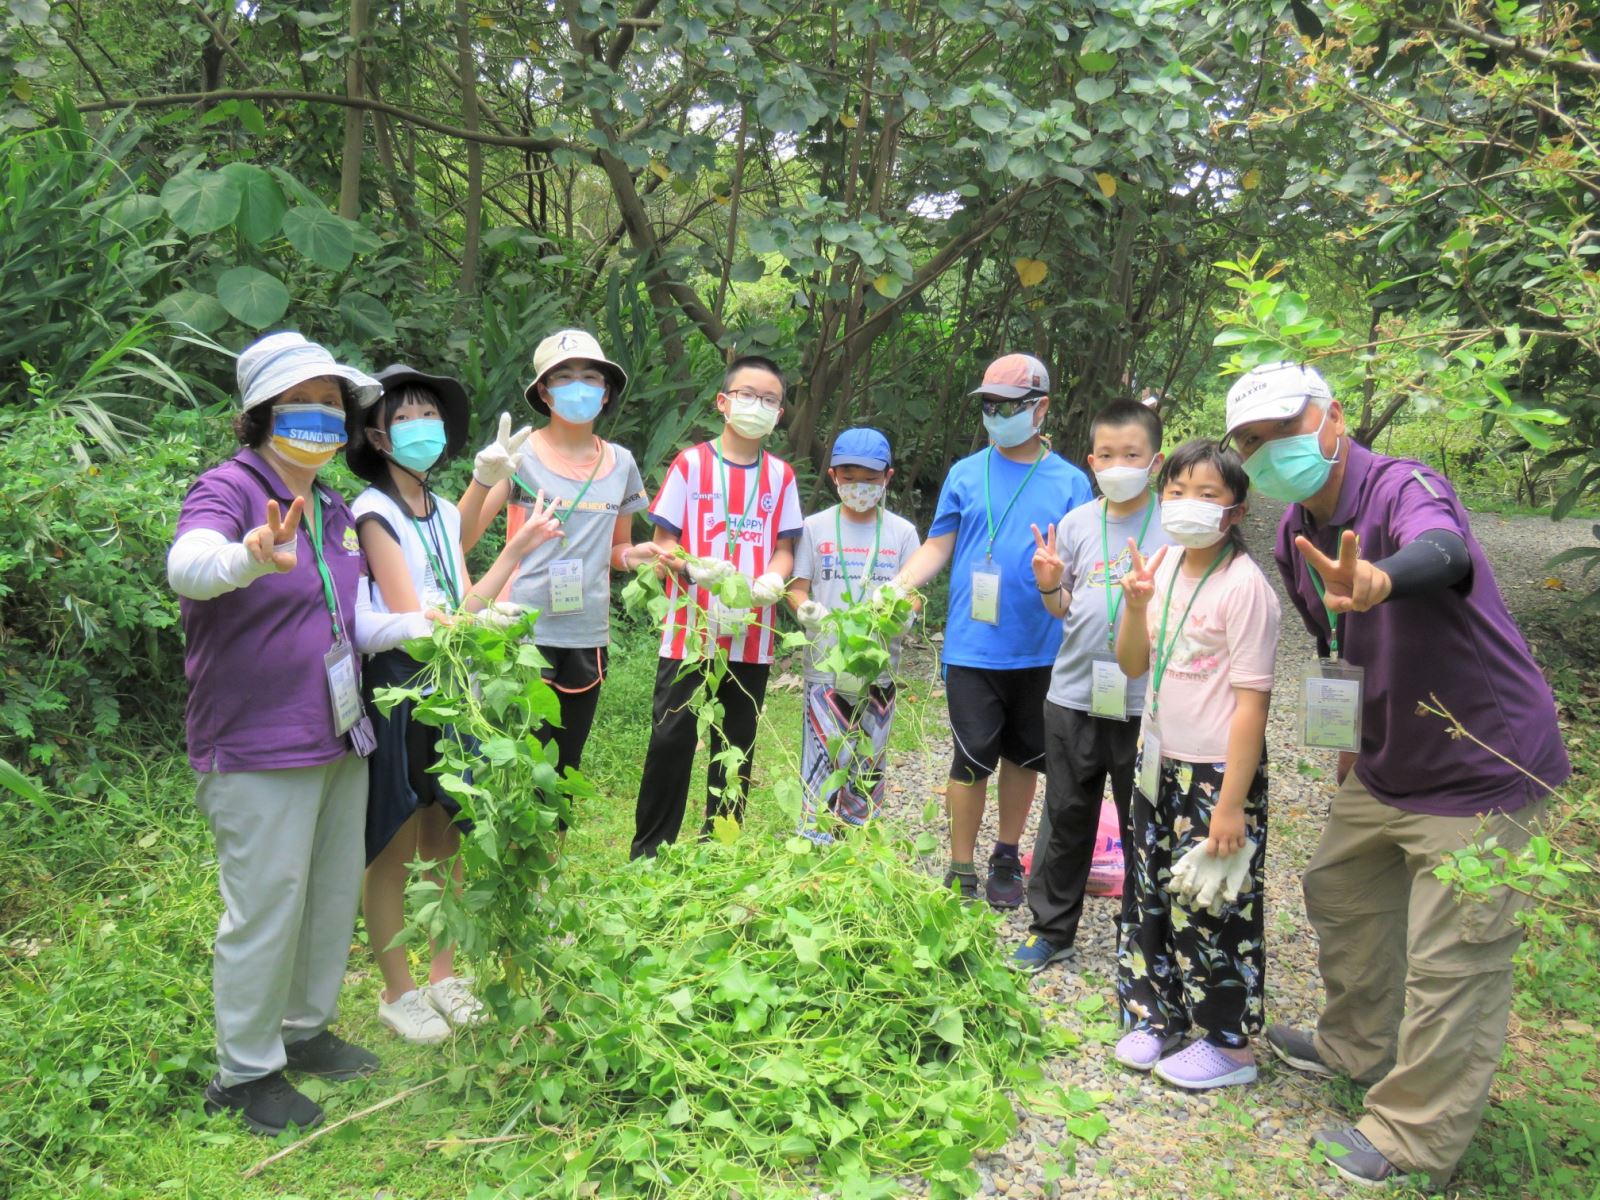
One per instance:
(413,1018)
(453,1000)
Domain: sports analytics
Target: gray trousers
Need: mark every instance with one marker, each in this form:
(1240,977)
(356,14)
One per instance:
(290,856)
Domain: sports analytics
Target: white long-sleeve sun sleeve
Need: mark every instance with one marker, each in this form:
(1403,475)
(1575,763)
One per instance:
(203,564)
(376,632)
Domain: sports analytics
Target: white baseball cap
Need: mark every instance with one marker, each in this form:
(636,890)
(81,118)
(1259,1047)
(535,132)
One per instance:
(269,367)
(564,346)
(1273,392)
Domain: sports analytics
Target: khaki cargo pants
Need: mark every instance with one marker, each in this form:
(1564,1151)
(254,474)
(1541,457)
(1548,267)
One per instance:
(1418,984)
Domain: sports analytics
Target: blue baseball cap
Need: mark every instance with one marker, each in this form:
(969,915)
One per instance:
(861,448)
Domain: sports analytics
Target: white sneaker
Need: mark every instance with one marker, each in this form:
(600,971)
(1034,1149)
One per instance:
(454,1001)
(413,1018)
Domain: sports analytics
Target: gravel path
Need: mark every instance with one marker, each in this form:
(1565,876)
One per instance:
(1164,1142)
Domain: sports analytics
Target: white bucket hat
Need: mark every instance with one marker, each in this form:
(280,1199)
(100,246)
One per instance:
(1273,392)
(271,366)
(563,346)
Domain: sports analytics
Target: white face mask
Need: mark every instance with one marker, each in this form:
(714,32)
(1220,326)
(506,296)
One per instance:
(751,418)
(1122,483)
(1193,524)
(861,497)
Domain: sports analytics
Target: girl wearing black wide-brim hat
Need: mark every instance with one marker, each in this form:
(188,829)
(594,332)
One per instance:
(412,539)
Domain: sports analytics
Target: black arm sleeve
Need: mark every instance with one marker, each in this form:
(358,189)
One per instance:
(1437,559)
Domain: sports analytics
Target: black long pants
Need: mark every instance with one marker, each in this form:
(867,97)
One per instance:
(669,763)
(1080,752)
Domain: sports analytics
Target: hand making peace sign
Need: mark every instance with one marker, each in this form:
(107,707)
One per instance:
(1048,566)
(1139,582)
(275,541)
(1352,584)
(538,529)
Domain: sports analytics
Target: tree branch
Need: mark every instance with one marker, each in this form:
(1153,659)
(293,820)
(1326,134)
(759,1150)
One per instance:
(1519,48)
(516,142)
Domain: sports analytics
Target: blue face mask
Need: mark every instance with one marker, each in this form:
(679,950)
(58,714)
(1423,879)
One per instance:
(1010,431)
(417,444)
(1291,469)
(577,403)
(307,434)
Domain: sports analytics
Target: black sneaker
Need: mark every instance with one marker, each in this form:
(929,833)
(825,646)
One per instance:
(967,885)
(267,1105)
(329,1056)
(1004,888)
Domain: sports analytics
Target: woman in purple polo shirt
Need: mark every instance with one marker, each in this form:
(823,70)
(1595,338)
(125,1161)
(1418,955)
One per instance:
(267,564)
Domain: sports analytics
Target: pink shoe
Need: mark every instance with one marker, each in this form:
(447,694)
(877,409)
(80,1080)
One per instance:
(1200,1065)
(1142,1048)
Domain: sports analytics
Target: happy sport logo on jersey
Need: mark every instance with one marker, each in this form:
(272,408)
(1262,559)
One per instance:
(751,530)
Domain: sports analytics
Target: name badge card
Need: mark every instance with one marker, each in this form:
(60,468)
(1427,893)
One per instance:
(343,689)
(725,622)
(566,586)
(1108,687)
(1330,706)
(1150,762)
(986,593)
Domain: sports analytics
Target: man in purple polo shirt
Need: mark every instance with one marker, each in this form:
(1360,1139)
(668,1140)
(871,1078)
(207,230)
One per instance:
(1378,556)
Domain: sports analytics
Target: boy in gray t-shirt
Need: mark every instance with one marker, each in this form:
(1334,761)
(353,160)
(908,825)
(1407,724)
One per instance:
(846,554)
(1091,713)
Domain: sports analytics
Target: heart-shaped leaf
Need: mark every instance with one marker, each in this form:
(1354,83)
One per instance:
(201,201)
(319,235)
(261,202)
(252,296)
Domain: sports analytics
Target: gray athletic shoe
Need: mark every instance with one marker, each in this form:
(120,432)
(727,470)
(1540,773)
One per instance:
(1357,1159)
(1297,1048)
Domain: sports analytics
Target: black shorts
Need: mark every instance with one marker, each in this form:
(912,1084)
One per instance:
(995,714)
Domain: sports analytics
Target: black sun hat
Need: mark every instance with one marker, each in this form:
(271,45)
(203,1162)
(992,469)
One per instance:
(368,462)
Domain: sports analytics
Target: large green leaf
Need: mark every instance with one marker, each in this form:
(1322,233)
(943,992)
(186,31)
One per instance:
(201,201)
(320,235)
(367,315)
(199,310)
(261,202)
(252,296)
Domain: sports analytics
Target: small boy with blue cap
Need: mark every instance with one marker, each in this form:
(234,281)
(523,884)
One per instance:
(846,553)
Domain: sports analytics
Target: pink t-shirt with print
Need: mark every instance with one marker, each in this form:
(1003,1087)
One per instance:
(1229,640)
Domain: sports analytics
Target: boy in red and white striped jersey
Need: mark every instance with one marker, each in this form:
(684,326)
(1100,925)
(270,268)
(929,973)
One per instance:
(726,500)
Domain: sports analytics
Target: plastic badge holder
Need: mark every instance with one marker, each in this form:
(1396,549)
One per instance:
(1330,706)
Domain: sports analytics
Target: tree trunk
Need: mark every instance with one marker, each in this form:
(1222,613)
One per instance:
(472,210)
(350,164)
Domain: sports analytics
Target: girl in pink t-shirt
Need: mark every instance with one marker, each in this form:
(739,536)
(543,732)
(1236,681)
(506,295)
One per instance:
(1204,622)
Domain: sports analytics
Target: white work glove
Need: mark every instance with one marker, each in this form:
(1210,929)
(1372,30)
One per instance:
(890,594)
(1206,881)
(497,462)
(708,572)
(767,589)
(499,614)
(810,615)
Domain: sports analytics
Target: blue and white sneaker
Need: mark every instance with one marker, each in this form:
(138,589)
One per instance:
(1035,954)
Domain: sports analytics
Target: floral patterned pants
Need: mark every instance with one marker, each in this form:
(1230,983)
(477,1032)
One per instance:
(1177,968)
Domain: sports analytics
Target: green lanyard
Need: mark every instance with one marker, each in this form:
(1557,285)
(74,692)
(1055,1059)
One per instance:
(988,506)
(561,518)
(1114,595)
(749,499)
(1322,594)
(447,579)
(844,571)
(322,565)
(1165,648)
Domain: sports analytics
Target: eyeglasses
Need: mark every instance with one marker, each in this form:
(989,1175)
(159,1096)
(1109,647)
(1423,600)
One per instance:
(756,397)
(1008,408)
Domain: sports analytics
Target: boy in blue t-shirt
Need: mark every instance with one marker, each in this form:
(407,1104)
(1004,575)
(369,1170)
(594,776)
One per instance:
(999,641)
